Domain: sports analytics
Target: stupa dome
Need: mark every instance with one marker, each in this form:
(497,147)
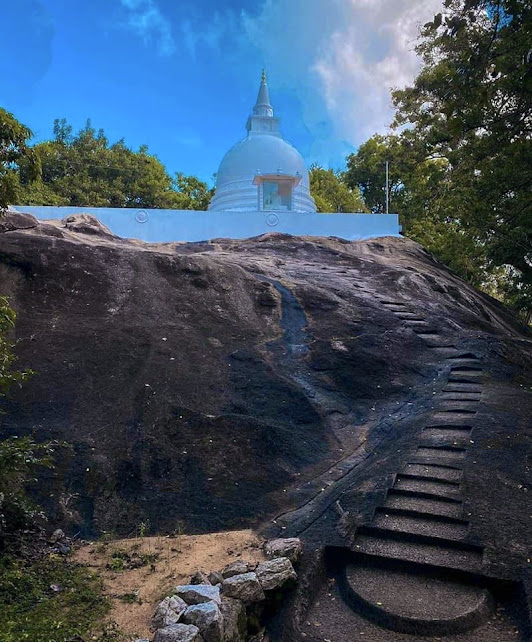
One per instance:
(263,171)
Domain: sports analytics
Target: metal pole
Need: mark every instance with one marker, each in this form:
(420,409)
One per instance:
(387,190)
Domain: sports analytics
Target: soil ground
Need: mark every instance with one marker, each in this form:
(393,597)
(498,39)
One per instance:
(164,562)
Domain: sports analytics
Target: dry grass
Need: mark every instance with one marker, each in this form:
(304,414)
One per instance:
(139,572)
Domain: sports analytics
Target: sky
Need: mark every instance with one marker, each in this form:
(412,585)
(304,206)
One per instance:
(182,76)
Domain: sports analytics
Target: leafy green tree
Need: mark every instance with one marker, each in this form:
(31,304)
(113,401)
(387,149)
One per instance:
(8,376)
(19,457)
(471,107)
(192,194)
(14,149)
(86,170)
(331,193)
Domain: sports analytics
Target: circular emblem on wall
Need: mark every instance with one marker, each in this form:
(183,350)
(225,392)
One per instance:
(272,219)
(141,216)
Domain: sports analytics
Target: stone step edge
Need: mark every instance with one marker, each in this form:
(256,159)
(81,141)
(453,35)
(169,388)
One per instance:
(410,625)
(386,534)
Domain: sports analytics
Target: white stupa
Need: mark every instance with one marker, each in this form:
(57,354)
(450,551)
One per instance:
(262,172)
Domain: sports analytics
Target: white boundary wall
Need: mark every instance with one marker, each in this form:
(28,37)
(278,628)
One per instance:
(159,226)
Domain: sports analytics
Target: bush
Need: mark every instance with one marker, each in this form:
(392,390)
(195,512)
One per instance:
(48,600)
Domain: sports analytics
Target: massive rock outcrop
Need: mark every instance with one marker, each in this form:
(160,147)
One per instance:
(221,383)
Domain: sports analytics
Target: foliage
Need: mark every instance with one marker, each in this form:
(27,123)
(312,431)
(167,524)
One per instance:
(192,194)
(331,193)
(8,376)
(86,170)
(14,150)
(20,458)
(471,105)
(460,164)
(48,600)
(418,190)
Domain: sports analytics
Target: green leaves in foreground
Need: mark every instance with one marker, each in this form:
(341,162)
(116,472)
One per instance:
(51,600)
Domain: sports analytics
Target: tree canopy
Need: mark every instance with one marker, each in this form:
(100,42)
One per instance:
(14,150)
(331,193)
(86,170)
(460,163)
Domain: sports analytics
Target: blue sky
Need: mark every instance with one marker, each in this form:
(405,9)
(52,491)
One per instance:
(182,76)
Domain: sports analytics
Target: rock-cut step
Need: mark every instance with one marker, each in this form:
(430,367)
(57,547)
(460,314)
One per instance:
(413,503)
(407,547)
(408,316)
(461,395)
(434,340)
(420,484)
(388,302)
(469,356)
(413,602)
(437,472)
(463,378)
(441,452)
(446,435)
(420,524)
(458,386)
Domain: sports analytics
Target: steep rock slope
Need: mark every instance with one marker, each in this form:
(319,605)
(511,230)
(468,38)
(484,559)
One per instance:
(224,383)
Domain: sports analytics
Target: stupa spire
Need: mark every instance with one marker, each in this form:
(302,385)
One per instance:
(262,106)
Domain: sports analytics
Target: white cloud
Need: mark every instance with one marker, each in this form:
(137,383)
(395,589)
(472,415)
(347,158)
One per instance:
(210,32)
(146,20)
(342,57)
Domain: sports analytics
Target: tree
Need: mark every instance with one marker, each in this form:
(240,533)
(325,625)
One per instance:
(331,193)
(192,194)
(86,170)
(14,149)
(471,108)
(19,457)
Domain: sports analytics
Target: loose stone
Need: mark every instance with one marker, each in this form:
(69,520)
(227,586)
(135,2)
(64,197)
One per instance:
(245,587)
(275,573)
(289,547)
(200,577)
(208,619)
(168,612)
(179,633)
(215,578)
(198,593)
(236,568)
(235,622)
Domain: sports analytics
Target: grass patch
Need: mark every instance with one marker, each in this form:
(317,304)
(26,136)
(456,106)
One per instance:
(122,560)
(50,600)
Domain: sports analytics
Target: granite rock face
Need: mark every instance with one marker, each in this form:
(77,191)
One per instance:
(199,382)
